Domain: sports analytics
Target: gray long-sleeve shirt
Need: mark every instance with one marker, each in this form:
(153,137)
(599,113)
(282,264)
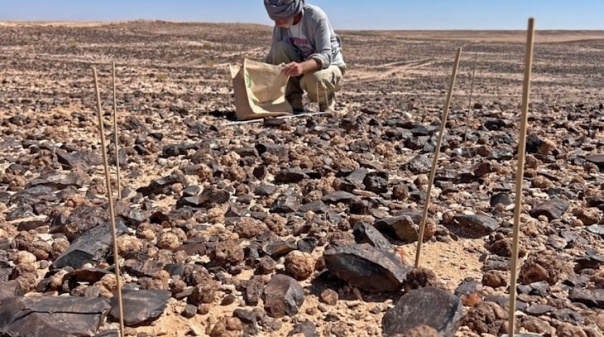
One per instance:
(327,45)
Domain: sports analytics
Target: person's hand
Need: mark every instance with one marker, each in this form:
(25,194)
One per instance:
(293,69)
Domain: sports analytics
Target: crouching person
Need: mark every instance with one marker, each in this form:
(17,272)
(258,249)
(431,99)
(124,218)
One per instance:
(306,43)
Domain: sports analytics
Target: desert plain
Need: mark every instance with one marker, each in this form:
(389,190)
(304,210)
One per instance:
(305,226)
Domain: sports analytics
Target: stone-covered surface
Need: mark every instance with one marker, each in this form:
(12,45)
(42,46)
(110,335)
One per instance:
(210,212)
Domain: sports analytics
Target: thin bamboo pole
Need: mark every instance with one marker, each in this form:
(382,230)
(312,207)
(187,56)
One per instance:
(110,198)
(528,62)
(441,135)
(116,139)
(470,114)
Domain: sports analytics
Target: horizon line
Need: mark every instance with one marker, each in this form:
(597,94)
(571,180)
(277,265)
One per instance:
(269,26)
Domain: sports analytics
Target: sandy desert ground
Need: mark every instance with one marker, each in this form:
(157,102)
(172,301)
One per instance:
(211,213)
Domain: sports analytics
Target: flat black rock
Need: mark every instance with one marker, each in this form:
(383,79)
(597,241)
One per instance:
(366,267)
(593,298)
(71,160)
(52,316)
(90,246)
(401,227)
(552,209)
(597,159)
(339,196)
(474,226)
(208,198)
(429,306)
(140,306)
(306,329)
(159,186)
(290,175)
(366,233)
(419,164)
(58,181)
(286,203)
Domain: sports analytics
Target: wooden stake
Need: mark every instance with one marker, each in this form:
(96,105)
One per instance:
(465,138)
(441,135)
(110,198)
(318,98)
(528,62)
(115,132)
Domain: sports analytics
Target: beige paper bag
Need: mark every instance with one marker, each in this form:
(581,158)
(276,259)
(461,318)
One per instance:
(259,90)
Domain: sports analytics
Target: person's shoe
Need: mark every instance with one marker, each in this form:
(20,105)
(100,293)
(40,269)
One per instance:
(327,107)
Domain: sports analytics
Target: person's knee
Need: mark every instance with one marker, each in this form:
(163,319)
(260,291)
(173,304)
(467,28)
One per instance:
(282,52)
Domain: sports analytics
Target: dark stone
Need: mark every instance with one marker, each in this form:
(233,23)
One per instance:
(91,246)
(253,291)
(286,203)
(533,143)
(366,267)
(474,226)
(539,309)
(591,261)
(174,150)
(419,164)
(193,247)
(147,268)
(596,229)
(91,275)
(596,201)
(278,248)
(191,191)
(290,175)
(190,311)
(504,301)
(494,262)
(357,177)
(78,159)
(593,298)
(82,219)
(401,227)
(535,289)
(33,195)
(9,289)
(467,287)
(159,186)
(52,316)
(366,233)
(283,295)
(307,245)
(552,209)
(597,159)
(497,124)
(500,198)
(306,329)
(376,182)
(246,316)
(58,181)
(140,306)
(429,306)
(210,197)
(317,207)
(265,190)
(569,316)
(339,196)
(278,150)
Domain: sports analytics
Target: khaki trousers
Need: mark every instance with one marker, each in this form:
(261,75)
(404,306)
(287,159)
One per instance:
(320,85)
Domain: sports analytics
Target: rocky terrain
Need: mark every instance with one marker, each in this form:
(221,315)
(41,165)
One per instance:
(305,226)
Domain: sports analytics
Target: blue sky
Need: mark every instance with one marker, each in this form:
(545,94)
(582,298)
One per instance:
(344,14)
